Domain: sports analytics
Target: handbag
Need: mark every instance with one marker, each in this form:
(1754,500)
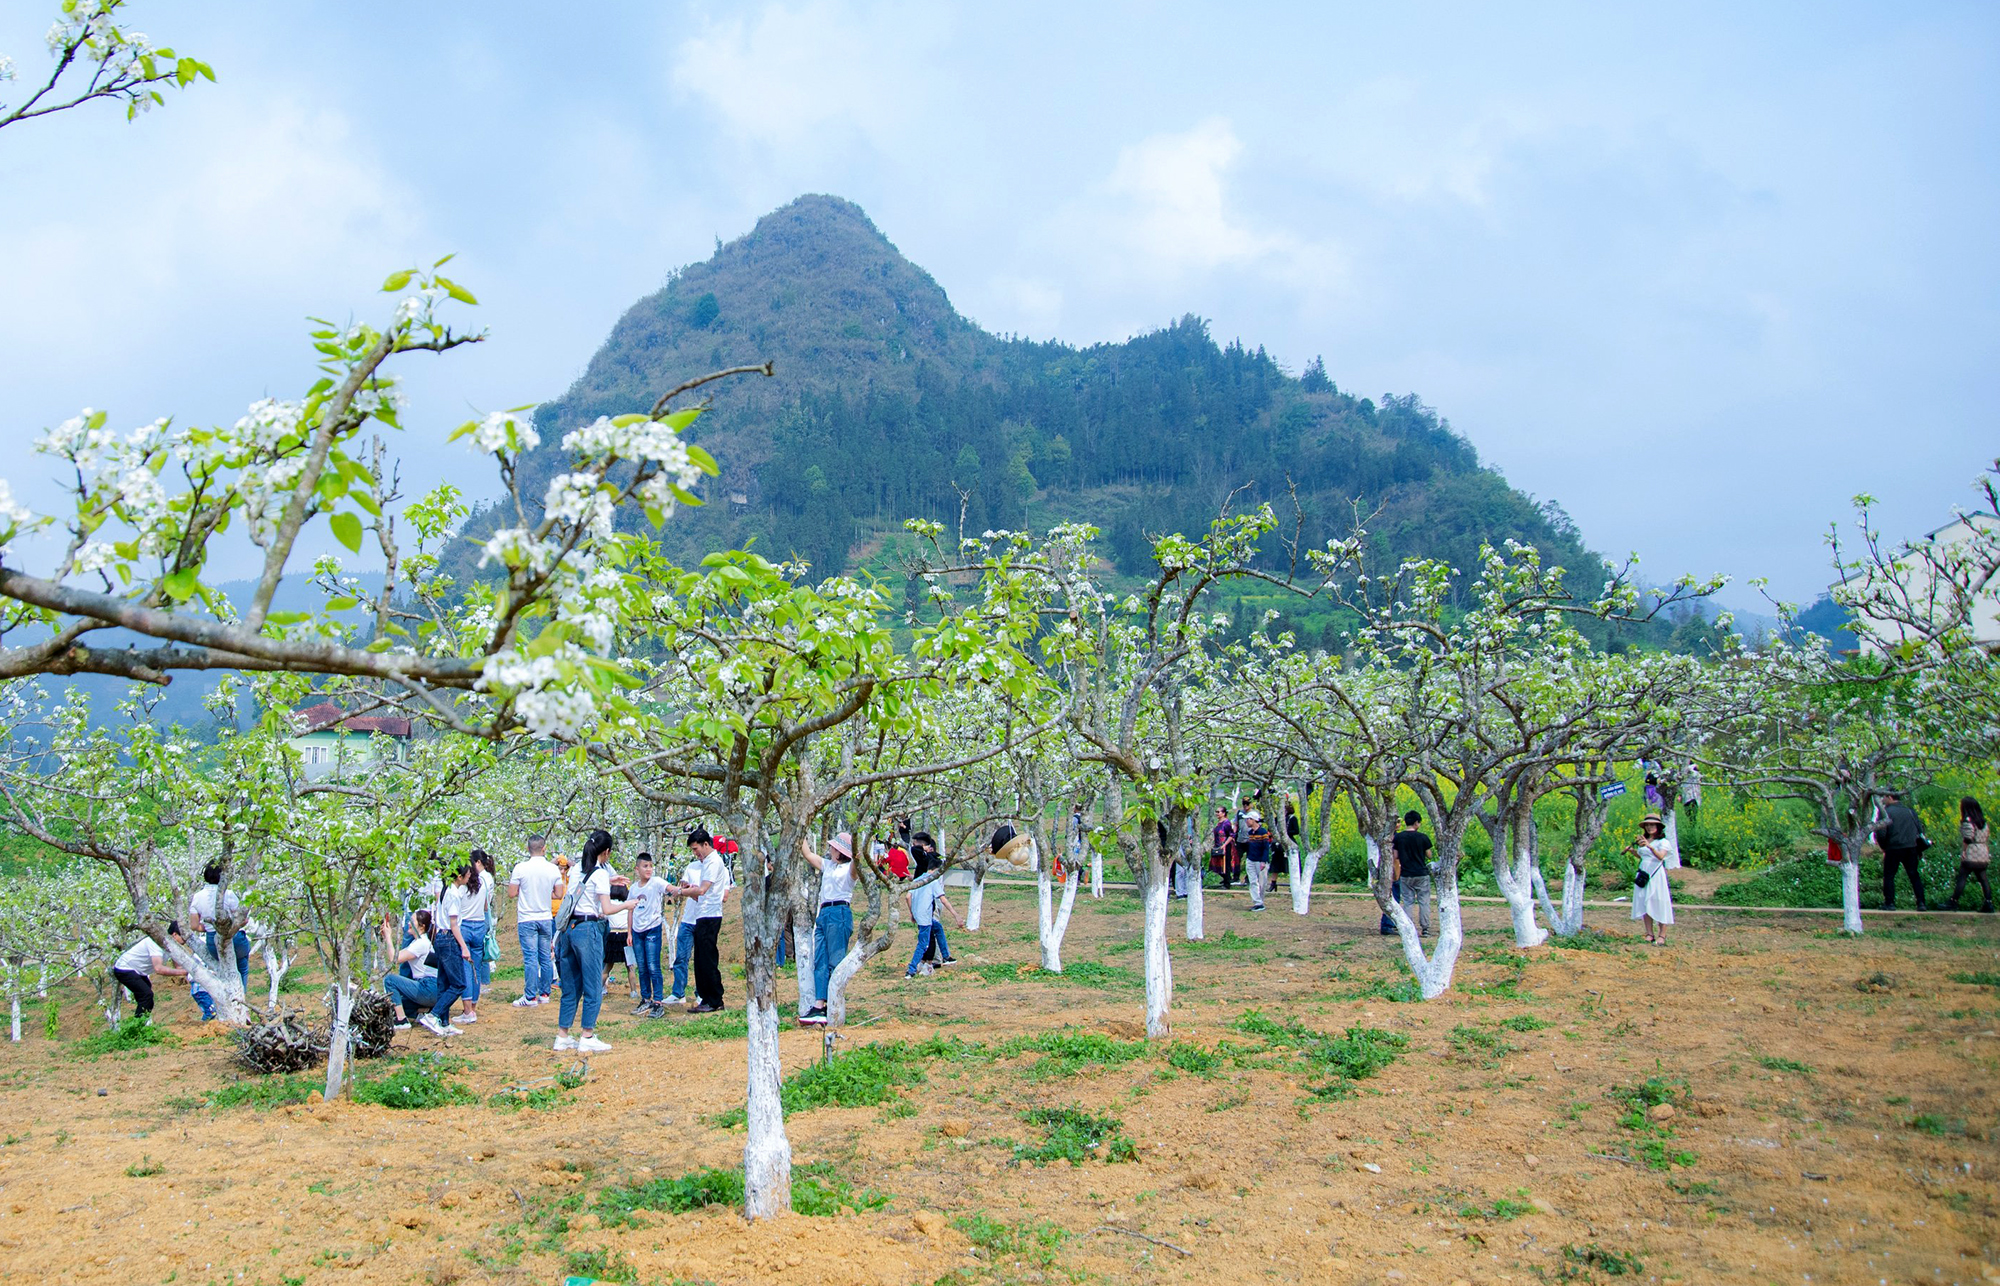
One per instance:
(491,951)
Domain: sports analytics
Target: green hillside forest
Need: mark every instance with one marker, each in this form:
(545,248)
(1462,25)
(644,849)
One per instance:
(887,404)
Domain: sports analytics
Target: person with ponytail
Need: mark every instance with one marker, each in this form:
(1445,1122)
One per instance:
(419,990)
(1974,854)
(474,908)
(580,930)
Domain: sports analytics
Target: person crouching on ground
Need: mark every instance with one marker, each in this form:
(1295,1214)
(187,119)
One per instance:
(835,925)
(134,970)
(418,991)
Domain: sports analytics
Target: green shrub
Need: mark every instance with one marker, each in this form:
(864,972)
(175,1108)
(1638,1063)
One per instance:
(51,1018)
(864,1077)
(1815,882)
(702,1188)
(1075,1136)
(1193,1059)
(135,1032)
(420,1081)
(1068,1052)
(263,1092)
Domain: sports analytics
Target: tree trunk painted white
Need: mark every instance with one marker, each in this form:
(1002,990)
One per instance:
(767,1153)
(1850,896)
(225,987)
(1516,881)
(1096,873)
(805,947)
(1304,867)
(276,966)
(1159,967)
(42,983)
(1054,926)
(1195,928)
(1433,974)
(338,1043)
(975,901)
(1569,920)
(16,998)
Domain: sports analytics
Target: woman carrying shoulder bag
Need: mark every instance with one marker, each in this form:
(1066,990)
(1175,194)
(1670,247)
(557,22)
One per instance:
(1652,900)
(1974,856)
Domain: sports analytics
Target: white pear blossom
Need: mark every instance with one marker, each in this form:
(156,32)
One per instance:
(577,497)
(516,547)
(505,431)
(12,513)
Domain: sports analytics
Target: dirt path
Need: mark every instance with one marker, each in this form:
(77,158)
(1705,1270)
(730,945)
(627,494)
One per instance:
(1490,1149)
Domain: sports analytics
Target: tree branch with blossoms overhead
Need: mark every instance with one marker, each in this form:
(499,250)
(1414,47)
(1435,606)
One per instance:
(533,649)
(96,58)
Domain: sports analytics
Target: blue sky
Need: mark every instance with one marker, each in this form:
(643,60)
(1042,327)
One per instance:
(1700,273)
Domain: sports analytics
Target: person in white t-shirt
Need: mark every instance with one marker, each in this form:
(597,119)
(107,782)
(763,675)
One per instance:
(533,884)
(203,916)
(833,929)
(926,900)
(418,992)
(649,897)
(580,947)
(705,883)
(466,905)
(135,968)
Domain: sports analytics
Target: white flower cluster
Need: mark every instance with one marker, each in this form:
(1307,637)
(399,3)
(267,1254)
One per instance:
(12,514)
(6,67)
(578,498)
(505,431)
(417,307)
(370,401)
(517,547)
(643,440)
(547,709)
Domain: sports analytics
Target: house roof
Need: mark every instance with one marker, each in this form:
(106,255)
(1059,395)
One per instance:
(325,716)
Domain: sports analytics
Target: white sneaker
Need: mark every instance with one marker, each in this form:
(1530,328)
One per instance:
(432,1025)
(468,1018)
(591,1045)
(450,1030)
(401,1026)
(677,1000)
(563,1043)
(526,1002)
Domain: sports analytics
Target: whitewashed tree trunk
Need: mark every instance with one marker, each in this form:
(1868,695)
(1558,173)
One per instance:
(1054,927)
(224,987)
(1569,920)
(805,949)
(1159,967)
(767,1153)
(1433,974)
(16,999)
(1850,896)
(975,901)
(1195,928)
(1304,867)
(1517,880)
(277,963)
(338,1043)
(1096,873)
(42,983)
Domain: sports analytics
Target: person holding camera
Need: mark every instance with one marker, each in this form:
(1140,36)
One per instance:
(1652,899)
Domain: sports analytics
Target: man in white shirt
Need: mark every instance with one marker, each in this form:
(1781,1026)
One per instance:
(134,969)
(533,884)
(705,883)
(204,914)
(649,892)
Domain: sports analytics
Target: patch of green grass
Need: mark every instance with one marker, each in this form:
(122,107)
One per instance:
(601,1264)
(135,1032)
(866,1077)
(421,1081)
(996,972)
(1523,1022)
(540,1098)
(1772,1062)
(1653,1146)
(1074,1136)
(818,1190)
(1937,1126)
(1578,1261)
(1500,1208)
(263,1092)
(1027,1243)
(730,1024)
(144,1168)
(678,1195)
(952,1049)
(1193,1059)
(1355,1055)
(1066,1053)
(1982,978)
(1400,990)
(1089,973)
(1477,1045)
(1590,940)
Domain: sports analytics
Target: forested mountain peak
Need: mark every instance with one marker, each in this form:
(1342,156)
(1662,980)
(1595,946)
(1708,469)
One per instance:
(887,404)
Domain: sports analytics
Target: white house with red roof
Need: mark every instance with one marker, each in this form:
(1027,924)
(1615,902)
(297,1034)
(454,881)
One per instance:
(330,740)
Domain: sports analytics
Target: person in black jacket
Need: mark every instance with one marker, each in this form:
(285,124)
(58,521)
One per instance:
(1901,838)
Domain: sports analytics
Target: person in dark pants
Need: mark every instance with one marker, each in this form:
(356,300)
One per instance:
(706,881)
(1901,839)
(1974,854)
(134,970)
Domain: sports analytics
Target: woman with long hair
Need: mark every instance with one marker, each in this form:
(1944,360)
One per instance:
(453,952)
(580,945)
(475,923)
(1974,855)
(1652,899)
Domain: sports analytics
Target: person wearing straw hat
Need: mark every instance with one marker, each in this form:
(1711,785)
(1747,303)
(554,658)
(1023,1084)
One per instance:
(1009,846)
(834,926)
(1652,900)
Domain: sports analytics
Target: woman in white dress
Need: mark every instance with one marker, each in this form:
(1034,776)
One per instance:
(1652,900)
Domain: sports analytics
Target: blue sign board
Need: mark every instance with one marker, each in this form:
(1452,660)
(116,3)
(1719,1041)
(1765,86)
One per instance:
(1612,791)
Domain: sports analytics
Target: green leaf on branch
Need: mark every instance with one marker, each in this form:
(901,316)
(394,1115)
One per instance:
(398,280)
(347,530)
(180,585)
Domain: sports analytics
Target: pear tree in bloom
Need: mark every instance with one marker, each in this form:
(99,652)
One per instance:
(56,926)
(755,665)
(98,58)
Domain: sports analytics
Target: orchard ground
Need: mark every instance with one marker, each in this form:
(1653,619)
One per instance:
(1762,1101)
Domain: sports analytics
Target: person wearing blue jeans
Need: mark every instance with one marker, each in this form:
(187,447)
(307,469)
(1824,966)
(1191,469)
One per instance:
(834,926)
(683,957)
(580,948)
(242,944)
(926,900)
(415,992)
(538,957)
(649,895)
(532,884)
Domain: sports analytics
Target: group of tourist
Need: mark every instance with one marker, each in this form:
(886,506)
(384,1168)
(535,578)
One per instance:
(577,921)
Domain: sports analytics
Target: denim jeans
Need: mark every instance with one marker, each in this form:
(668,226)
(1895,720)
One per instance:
(412,995)
(478,972)
(242,944)
(580,966)
(538,963)
(939,947)
(831,933)
(206,1001)
(454,972)
(683,957)
(646,953)
(926,934)
(1395,895)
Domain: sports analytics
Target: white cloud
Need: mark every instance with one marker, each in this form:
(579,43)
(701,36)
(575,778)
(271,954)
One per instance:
(1168,194)
(808,75)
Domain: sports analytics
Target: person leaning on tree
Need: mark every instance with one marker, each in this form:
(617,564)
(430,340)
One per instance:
(1901,839)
